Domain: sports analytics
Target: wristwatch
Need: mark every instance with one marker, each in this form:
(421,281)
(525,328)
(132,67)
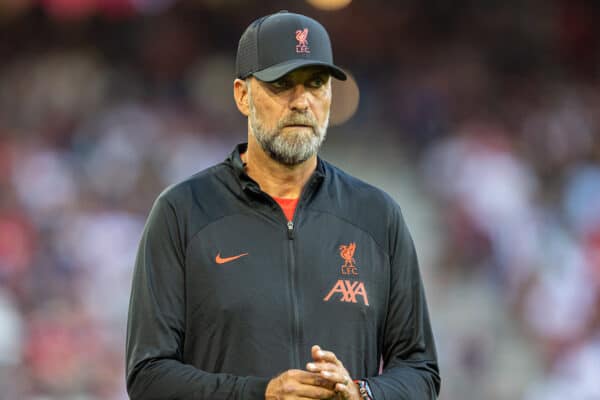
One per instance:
(364,389)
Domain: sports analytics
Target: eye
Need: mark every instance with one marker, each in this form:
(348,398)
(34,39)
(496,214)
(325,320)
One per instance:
(281,84)
(317,82)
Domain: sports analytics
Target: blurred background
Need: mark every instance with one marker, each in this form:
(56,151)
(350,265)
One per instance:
(480,117)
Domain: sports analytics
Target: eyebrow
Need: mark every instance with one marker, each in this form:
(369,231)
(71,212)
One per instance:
(318,72)
(321,72)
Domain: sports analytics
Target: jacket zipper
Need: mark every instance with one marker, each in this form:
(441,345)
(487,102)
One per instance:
(295,323)
(296,331)
(294,298)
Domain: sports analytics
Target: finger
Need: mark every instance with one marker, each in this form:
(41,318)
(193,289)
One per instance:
(313,350)
(344,390)
(337,377)
(319,367)
(315,379)
(331,372)
(298,383)
(312,392)
(322,366)
(319,354)
(334,397)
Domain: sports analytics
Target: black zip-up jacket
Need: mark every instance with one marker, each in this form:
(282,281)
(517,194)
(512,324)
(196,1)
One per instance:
(227,294)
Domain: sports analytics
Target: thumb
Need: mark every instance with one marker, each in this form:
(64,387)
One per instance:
(314,352)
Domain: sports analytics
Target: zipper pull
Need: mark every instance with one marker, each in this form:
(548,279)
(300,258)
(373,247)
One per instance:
(290,228)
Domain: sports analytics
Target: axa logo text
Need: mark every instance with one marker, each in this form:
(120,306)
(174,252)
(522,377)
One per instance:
(348,291)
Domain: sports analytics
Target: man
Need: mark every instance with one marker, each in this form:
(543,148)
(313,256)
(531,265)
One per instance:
(274,275)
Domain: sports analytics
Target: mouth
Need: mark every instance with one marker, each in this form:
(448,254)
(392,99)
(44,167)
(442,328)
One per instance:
(298,126)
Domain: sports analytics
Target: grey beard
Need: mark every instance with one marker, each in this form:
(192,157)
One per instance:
(289,149)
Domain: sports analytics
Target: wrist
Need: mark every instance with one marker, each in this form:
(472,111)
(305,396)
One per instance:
(363,389)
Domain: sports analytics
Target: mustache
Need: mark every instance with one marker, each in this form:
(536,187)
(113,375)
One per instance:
(299,119)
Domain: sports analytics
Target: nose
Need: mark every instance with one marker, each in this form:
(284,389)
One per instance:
(299,100)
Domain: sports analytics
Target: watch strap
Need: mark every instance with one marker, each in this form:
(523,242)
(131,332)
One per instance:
(364,389)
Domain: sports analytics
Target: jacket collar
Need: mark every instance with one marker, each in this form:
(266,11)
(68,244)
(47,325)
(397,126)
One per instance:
(235,161)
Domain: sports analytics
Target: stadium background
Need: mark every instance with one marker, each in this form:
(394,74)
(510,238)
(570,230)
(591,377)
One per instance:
(481,118)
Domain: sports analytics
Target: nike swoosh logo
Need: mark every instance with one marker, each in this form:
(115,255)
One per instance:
(221,260)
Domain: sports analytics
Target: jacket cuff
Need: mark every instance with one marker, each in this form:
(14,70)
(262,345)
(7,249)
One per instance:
(375,390)
(255,388)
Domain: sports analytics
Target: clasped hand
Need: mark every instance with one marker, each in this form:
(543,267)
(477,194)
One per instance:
(324,378)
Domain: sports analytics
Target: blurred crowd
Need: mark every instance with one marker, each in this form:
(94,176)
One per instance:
(492,108)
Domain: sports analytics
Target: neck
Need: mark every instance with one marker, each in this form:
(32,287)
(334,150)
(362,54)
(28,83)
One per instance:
(274,178)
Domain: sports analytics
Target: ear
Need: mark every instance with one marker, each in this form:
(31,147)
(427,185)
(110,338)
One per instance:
(240,95)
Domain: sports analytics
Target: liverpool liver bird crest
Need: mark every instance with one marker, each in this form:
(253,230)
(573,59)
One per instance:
(347,253)
(301,37)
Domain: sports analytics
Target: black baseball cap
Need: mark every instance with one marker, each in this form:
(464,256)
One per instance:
(279,43)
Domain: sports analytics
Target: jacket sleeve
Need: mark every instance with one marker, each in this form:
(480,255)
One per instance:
(156,323)
(410,369)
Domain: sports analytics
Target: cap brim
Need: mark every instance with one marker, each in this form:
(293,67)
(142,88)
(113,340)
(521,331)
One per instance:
(275,72)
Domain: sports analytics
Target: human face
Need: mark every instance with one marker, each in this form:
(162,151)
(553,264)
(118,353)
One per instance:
(289,117)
